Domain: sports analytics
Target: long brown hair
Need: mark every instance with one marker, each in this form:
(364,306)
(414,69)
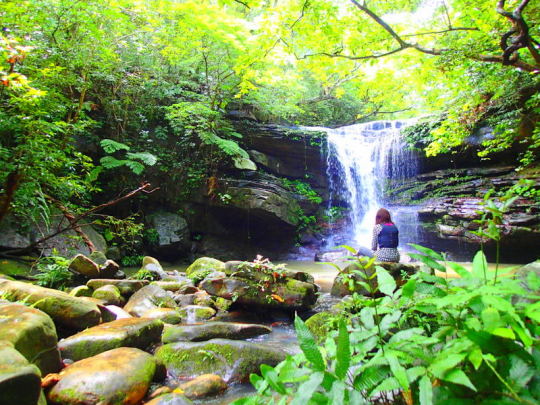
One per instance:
(383,217)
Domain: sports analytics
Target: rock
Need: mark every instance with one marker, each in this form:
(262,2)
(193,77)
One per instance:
(244,164)
(110,295)
(110,269)
(340,288)
(286,294)
(14,268)
(81,264)
(196,313)
(212,330)
(184,299)
(149,297)
(153,266)
(203,298)
(319,324)
(20,381)
(242,316)
(126,287)
(117,312)
(222,304)
(65,310)
(172,285)
(233,360)
(118,376)
(81,291)
(189,289)
(173,236)
(167,315)
(98,257)
(170,399)
(133,332)
(205,385)
(202,267)
(32,333)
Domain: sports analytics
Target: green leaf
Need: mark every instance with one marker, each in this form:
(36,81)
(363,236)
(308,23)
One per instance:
(491,318)
(272,379)
(135,167)
(111,146)
(520,372)
(385,281)
(108,162)
(343,352)
(457,376)
(506,333)
(366,317)
(425,391)
(397,370)
(308,345)
(370,377)
(533,311)
(409,288)
(307,389)
(337,393)
(145,157)
(444,363)
(459,269)
(475,357)
(428,261)
(479,266)
(427,251)
(350,249)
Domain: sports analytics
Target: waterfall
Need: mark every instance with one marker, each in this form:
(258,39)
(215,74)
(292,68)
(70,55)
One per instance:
(361,158)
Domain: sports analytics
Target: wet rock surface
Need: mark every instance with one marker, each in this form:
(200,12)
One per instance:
(131,332)
(212,330)
(118,376)
(149,297)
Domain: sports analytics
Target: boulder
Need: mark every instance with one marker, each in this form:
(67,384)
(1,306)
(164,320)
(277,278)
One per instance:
(65,310)
(130,332)
(33,334)
(147,298)
(110,295)
(184,299)
(153,265)
(20,381)
(81,291)
(212,330)
(167,315)
(117,312)
(170,399)
(118,376)
(110,269)
(13,268)
(202,267)
(126,287)
(203,298)
(233,360)
(172,233)
(288,294)
(172,285)
(196,313)
(84,266)
(205,385)
(98,257)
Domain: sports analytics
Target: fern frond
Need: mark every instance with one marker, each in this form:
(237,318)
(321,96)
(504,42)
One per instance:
(146,157)
(111,146)
(108,162)
(135,167)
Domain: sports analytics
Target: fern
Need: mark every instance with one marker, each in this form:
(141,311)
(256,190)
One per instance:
(146,157)
(228,146)
(108,162)
(111,146)
(135,167)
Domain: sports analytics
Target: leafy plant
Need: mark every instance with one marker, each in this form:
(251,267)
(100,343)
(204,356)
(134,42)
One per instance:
(135,161)
(53,272)
(302,188)
(144,274)
(131,261)
(431,340)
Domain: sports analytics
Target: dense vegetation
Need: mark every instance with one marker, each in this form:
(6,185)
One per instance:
(153,80)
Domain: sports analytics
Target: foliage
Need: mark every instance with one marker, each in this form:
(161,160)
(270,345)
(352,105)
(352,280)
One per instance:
(434,339)
(131,261)
(144,274)
(53,272)
(302,188)
(135,161)
(126,233)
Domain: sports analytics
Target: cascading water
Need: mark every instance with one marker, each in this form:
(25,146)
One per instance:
(361,158)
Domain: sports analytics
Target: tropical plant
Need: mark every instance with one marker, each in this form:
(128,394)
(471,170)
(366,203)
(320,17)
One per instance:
(53,272)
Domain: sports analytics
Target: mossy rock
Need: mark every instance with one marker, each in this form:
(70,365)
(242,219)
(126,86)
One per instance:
(126,287)
(202,267)
(33,334)
(222,304)
(213,330)
(98,257)
(70,312)
(131,332)
(20,381)
(205,385)
(319,324)
(14,268)
(172,285)
(117,377)
(147,298)
(81,291)
(233,360)
(196,313)
(110,295)
(170,399)
(167,315)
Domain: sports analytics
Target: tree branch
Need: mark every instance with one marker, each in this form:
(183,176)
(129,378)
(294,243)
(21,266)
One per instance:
(73,222)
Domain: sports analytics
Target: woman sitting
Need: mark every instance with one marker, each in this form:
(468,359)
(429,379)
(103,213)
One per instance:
(385,238)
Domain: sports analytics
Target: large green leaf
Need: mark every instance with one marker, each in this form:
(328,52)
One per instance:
(428,261)
(397,370)
(457,376)
(370,377)
(427,251)
(146,157)
(307,389)
(308,345)
(445,362)
(425,391)
(272,379)
(479,266)
(385,281)
(111,146)
(337,393)
(343,352)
